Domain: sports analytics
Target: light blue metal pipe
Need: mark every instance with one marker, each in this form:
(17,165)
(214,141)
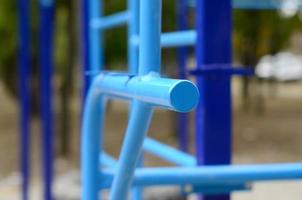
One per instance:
(174,94)
(107,160)
(168,153)
(210,175)
(149,61)
(133,31)
(150,33)
(137,127)
(173,39)
(95,38)
(110,21)
(91,143)
(179,38)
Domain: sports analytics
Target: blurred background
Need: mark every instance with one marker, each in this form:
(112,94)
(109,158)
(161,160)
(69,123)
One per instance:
(266,108)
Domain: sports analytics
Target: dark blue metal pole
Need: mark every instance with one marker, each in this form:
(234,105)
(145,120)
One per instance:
(182,52)
(46,70)
(213,114)
(24,92)
(85,45)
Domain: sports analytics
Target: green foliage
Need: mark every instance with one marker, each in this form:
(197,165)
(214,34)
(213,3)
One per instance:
(8,36)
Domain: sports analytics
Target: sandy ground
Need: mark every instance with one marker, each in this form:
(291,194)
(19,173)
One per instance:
(272,136)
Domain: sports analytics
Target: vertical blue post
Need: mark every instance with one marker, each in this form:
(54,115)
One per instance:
(95,40)
(133,31)
(46,70)
(133,50)
(182,13)
(213,114)
(24,92)
(85,45)
(149,61)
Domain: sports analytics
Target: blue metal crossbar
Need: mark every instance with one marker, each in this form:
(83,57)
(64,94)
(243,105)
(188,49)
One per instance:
(180,38)
(111,21)
(209,175)
(262,4)
(168,153)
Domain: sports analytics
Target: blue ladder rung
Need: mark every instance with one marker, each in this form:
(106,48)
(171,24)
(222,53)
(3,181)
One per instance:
(173,39)
(179,38)
(107,160)
(110,21)
(209,175)
(168,153)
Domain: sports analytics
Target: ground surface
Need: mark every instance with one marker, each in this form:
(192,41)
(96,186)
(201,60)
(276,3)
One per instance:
(273,136)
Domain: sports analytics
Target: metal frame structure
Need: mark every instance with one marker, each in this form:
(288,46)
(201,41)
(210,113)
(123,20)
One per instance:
(46,63)
(147,89)
(46,71)
(24,93)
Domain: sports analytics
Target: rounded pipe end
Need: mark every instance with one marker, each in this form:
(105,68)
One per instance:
(184,96)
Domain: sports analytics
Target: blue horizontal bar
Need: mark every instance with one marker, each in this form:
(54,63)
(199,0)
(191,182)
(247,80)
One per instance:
(257,4)
(210,175)
(110,21)
(224,70)
(168,153)
(173,39)
(220,189)
(174,94)
(179,38)
(107,160)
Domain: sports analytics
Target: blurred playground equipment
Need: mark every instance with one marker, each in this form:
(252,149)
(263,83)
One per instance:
(145,88)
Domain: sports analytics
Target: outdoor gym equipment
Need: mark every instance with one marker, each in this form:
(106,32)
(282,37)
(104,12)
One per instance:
(214,68)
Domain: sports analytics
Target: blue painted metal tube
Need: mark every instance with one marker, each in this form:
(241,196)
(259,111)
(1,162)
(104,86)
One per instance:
(137,127)
(178,39)
(85,30)
(168,153)
(92,129)
(149,61)
(150,36)
(255,4)
(213,47)
(151,89)
(111,21)
(24,92)
(107,160)
(210,175)
(133,32)
(96,50)
(182,54)
(46,64)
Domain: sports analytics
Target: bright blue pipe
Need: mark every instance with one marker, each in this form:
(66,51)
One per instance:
(133,31)
(168,153)
(178,39)
(137,127)
(107,160)
(111,21)
(92,128)
(149,61)
(95,39)
(210,175)
(168,93)
(173,39)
